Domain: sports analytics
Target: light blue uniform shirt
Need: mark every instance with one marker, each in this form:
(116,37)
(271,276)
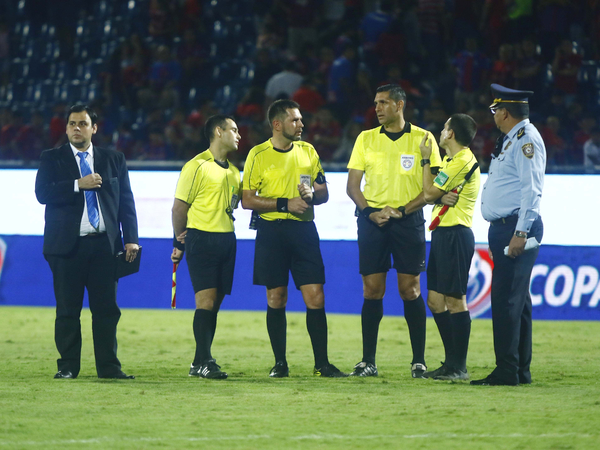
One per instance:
(516,177)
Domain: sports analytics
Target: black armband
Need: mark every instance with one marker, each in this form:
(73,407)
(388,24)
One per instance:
(320,178)
(178,245)
(368,211)
(282,205)
(438,201)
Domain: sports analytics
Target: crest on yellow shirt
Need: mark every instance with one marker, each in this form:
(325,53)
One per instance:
(407,161)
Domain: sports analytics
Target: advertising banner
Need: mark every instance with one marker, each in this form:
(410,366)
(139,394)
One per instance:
(565,283)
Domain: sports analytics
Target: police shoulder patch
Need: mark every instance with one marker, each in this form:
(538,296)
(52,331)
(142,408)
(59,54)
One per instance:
(528,150)
(521,133)
(441,179)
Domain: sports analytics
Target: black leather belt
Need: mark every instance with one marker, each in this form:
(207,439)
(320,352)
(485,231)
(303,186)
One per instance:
(510,220)
(93,235)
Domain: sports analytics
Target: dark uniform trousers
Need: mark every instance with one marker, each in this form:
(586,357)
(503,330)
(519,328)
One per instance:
(91,265)
(511,301)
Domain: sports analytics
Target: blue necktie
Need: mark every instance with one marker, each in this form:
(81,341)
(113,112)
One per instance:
(90,196)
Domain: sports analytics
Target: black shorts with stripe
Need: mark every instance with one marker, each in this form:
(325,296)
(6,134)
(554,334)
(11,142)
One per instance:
(403,239)
(211,259)
(282,246)
(452,250)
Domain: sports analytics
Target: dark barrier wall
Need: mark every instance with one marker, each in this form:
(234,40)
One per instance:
(565,283)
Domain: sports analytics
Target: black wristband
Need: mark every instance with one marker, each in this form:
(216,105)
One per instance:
(178,245)
(282,205)
(368,211)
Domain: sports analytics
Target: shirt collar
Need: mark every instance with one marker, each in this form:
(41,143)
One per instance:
(90,150)
(511,134)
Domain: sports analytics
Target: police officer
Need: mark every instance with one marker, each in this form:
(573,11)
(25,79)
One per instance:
(511,203)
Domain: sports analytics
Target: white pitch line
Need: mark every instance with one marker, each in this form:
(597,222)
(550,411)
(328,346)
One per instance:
(314,437)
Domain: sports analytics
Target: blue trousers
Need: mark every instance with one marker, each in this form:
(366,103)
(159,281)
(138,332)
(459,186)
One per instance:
(511,302)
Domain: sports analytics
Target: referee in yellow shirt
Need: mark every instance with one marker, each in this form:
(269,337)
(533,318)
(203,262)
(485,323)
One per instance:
(390,221)
(283,180)
(452,242)
(208,191)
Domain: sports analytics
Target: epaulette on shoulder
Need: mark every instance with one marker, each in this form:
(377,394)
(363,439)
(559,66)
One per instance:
(521,133)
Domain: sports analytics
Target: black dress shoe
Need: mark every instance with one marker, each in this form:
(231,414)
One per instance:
(120,376)
(64,374)
(491,380)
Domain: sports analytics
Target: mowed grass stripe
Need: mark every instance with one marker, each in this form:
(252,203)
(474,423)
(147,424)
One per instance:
(164,408)
(312,437)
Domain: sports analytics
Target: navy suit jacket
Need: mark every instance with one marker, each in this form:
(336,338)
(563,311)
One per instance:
(54,187)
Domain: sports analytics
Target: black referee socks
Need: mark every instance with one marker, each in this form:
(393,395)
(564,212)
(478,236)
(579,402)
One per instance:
(372,312)
(277,328)
(444,324)
(205,323)
(461,331)
(316,324)
(416,319)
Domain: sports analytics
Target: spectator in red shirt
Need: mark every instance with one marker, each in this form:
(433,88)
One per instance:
(529,67)
(307,96)
(8,133)
(325,133)
(556,146)
(32,138)
(565,68)
(504,67)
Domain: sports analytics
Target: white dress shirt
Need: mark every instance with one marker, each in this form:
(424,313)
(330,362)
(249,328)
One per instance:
(86,227)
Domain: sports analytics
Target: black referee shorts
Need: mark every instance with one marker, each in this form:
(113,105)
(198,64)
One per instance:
(403,239)
(211,259)
(452,250)
(284,245)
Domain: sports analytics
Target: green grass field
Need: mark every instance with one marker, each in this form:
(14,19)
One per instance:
(164,408)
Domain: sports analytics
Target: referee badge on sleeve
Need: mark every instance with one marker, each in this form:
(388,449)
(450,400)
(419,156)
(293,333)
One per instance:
(441,179)
(528,150)
(407,161)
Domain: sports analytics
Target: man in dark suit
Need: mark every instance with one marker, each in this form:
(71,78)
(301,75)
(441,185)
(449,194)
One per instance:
(88,200)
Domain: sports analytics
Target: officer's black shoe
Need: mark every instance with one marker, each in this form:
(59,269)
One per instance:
(280,370)
(210,369)
(364,369)
(329,371)
(491,380)
(417,370)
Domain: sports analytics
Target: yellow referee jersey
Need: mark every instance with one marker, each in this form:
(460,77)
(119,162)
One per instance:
(452,174)
(211,191)
(275,173)
(393,172)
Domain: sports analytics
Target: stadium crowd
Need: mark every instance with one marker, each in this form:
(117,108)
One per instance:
(155,70)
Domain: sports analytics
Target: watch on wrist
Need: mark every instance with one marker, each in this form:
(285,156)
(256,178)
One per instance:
(425,161)
(520,234)
(402,209)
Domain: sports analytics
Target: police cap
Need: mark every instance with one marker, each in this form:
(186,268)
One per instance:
(506,95)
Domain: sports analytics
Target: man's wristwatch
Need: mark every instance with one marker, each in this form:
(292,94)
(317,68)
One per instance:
(425,161)
(402,209)
(520,234)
